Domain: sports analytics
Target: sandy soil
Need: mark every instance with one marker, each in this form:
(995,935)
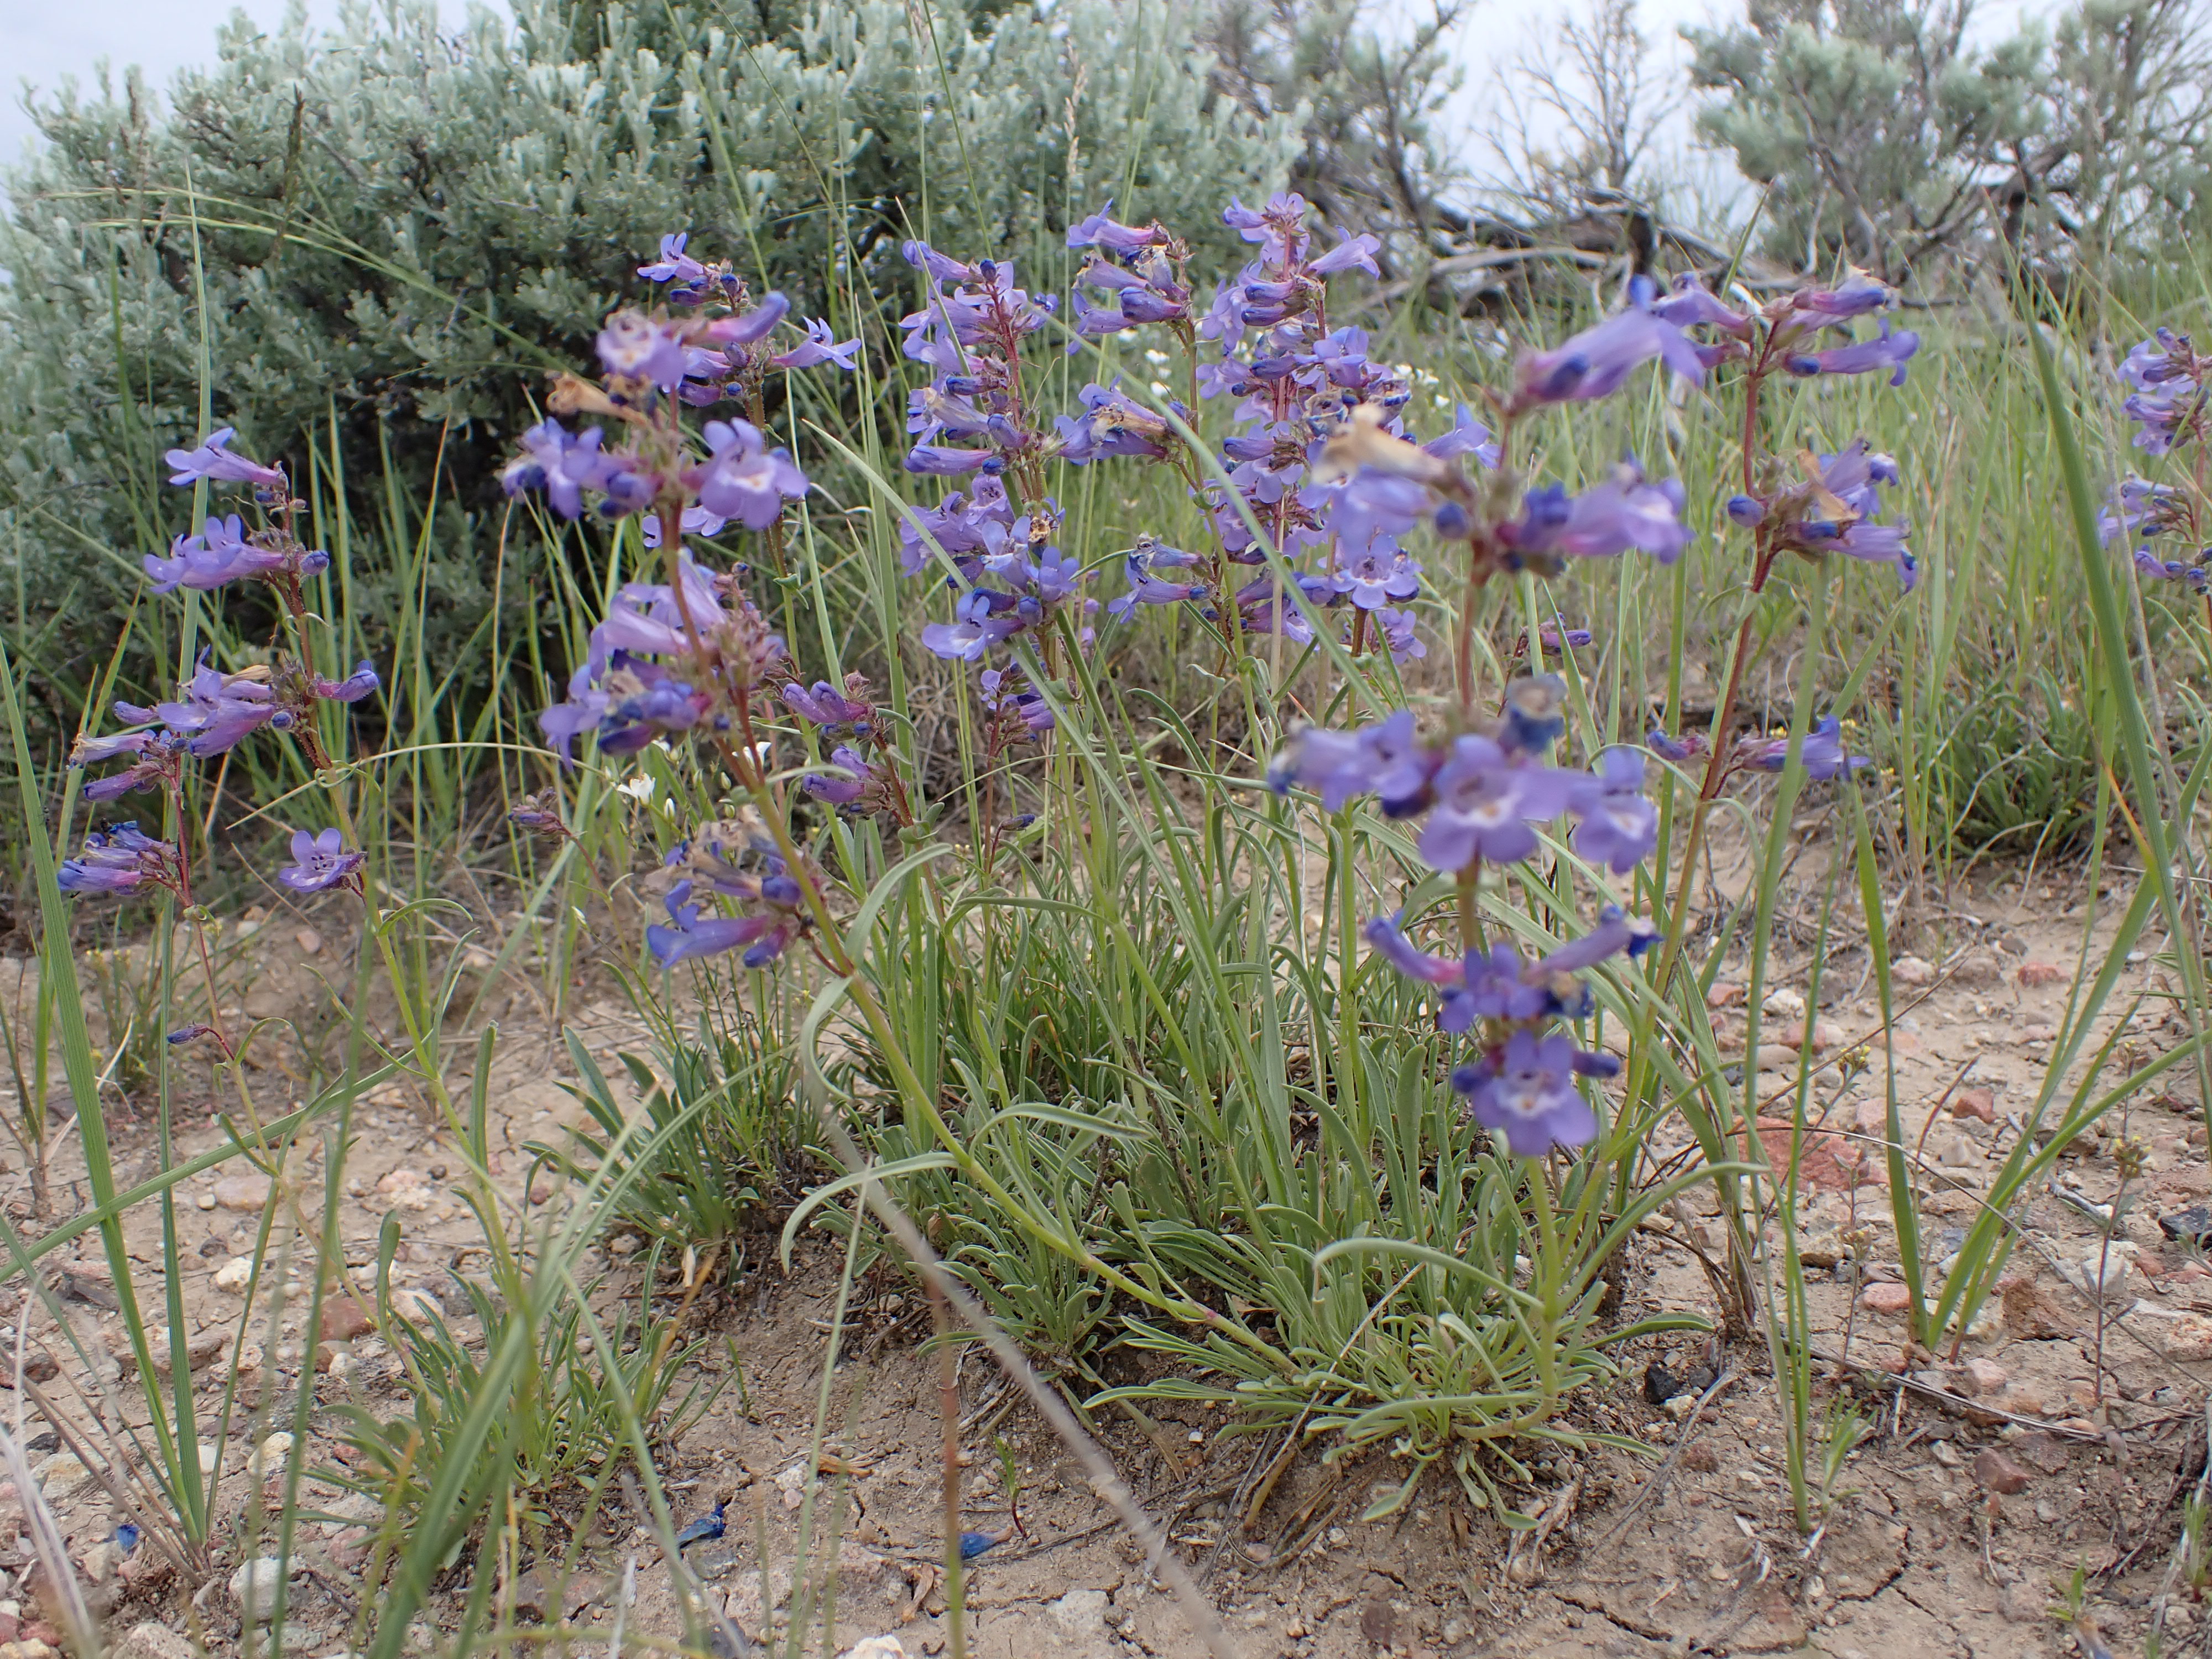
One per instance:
(1951,1529)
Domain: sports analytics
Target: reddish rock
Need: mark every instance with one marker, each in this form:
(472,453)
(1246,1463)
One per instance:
(1998,1472)
(1825,1161)
(1975,1103)
(2046,1452)
(1886,1298)
(1701,1457)
(350,1548)
(1725,995)
(344,1318)
(1982,1378)
(2034,975)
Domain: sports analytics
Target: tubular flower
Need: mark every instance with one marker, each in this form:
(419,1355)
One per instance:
(213,461)
(1824,754)
(742,479)
(1483,793)
(216,711)
(1597,361)
(711,871)
(1834,508)
(120,861)
(1523,1080)
(223,553)
(319,862)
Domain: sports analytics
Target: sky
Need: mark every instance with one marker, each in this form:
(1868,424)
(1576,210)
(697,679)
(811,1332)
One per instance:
(45,42)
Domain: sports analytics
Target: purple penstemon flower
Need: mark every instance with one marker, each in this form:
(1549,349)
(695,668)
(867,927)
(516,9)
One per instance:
(1467,436)
(2166,403)
(217,711)
(761,935)
(1824,756)
(540,814)
(1526,1089)
(1596,363)
(1501,987)
(1005,697)
(634,347)
(2136,507)
(748,328)
(1383,572)
(1112,423)
(1101,230)
(1353,253)
(1396,629)
(564,464)
(742,479)
(1334,765)
(1691,304)
(155,755)
(222,553)
(356,685)
(646,701)
(1812,308)
(696,521)
(1691,745)
(821,346)
(319,862)
(1386,936)
(1888,351)
(1620,826)
(583,709)
(1556,636)
(856,778)
(825,705)
(213,461)
(1263,611)
(674,264)
(1388,758)
(691,937)
(1534,713)
(649,617)
(981,618)
(1487,802)
(935,461)
(2146,562)
(1625,511)
(119,860)
(1146,589)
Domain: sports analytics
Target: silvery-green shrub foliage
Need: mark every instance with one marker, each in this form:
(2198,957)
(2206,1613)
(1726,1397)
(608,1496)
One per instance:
(391,222)
(1892,137)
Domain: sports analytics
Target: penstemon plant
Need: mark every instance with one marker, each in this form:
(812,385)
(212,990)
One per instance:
(1315,508)
(2166,380)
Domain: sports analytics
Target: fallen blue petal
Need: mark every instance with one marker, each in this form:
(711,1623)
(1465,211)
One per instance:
(704,1529)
